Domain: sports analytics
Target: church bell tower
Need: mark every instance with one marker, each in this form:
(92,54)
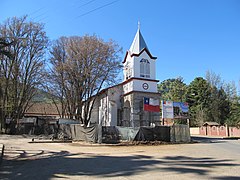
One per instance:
(139,67)
(139,70)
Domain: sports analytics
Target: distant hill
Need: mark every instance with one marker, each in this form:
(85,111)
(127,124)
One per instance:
(43,96)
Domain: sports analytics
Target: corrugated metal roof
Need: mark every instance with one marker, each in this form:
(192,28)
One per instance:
(211,124)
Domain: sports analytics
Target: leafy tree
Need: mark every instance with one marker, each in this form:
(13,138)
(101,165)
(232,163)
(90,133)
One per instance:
(208,100)
(173,89)
(219,106)
(234,117)
(234,104)
(81,67)
(198,99)
(214,79)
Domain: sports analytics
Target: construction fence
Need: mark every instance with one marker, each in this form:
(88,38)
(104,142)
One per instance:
(110,134)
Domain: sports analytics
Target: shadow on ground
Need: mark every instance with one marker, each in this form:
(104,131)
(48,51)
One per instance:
(46,165)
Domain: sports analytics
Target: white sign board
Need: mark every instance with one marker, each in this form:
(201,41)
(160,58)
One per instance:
(167,109)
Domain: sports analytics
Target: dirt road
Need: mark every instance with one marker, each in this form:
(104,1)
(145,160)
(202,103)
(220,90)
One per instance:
(206,160)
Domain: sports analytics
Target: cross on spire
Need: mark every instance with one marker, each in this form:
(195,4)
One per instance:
(138,43)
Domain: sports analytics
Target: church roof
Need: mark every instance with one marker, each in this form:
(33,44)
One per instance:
(138,43)
(138,46)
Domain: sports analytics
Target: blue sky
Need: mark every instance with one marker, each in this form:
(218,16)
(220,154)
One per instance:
(189,37)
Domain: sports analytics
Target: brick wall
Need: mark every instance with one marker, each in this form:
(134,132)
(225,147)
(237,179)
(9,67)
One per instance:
(234,132)
(219,131)
(202,131)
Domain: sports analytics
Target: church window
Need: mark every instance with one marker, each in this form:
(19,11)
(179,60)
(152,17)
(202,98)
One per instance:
(128,71)
(144,68)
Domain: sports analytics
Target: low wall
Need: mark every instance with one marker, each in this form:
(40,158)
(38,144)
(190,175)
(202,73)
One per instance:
(194,131)
(234,132)
(221,131)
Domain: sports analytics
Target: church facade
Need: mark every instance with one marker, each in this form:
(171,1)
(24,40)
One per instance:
(122,104)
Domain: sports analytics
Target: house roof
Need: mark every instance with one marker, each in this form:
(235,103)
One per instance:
(211,124)
(43,109)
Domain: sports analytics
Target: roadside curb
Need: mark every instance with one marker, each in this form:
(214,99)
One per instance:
(231,138)
(1,152)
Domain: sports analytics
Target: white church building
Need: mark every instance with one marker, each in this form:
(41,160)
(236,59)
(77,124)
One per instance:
(122,104)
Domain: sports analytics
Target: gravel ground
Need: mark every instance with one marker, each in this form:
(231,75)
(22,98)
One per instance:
(213,159)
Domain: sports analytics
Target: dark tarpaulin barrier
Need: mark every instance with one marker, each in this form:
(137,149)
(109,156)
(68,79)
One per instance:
(110,134)
(127,133)
(117,133)
(88,134)
(97,133)
(46,129)
(180,133)
(158,133)
(64,131)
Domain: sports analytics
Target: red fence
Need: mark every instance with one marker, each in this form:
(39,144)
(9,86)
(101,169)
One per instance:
(222,131)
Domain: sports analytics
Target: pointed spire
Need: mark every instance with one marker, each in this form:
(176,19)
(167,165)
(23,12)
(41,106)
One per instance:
(138,43)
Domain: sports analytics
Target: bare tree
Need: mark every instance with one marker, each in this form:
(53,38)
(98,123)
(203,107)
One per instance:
(81,67)
(214,79)
(21,72)
(4,45)
(218,107)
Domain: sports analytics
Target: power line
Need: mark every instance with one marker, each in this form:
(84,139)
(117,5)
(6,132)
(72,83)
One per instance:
(39,16)
(38,10)
(39,13)
(84,14)
(86,3)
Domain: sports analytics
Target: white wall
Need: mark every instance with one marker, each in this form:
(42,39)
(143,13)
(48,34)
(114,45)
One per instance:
(134,63)
(129,63)
(112,113)
(103,111)
(128,87)
(137,85)
(114,95)
(194,131)
(109,103)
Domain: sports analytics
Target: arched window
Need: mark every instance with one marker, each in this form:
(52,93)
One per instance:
(144,68)
(128,71)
